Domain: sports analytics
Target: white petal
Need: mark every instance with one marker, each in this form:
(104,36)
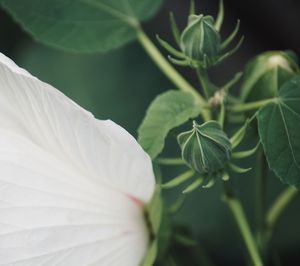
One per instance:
(69,184)
(98,149)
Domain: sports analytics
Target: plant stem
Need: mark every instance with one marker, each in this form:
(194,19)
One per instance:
(170,161)
(205,82)
(250,106)
(241,220)
(165,66)
(278,207)
(221,117)
(260,189)
(169,70)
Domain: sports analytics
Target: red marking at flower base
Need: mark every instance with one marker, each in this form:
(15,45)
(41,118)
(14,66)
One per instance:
(137,201)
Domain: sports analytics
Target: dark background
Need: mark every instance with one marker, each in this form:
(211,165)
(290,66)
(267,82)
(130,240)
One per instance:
(121,84)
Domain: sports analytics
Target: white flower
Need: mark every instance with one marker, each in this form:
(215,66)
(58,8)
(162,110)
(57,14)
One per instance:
(72,188)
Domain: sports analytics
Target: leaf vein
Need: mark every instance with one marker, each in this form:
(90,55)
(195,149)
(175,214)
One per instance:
(288,135)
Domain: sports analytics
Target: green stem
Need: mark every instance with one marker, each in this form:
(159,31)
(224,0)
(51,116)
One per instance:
(241,220)
(170,161)
(169,70)
(278,207)
(205,82)
(250,106)
(261,191)
(221,117)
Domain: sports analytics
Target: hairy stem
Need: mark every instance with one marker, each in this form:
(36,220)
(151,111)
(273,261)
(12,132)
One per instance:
(169,70)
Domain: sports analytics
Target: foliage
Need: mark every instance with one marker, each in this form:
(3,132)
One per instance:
(268,94)
(168,110)
(82,25)
(279,129)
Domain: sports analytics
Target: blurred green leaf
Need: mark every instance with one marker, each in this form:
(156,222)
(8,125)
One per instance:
(168,110)
(82,25)
(279,130)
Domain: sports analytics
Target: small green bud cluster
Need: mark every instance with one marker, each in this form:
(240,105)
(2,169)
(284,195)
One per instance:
(206,148)
(200,42)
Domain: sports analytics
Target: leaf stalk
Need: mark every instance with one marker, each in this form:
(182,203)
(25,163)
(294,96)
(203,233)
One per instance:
(169,70)
(243,107)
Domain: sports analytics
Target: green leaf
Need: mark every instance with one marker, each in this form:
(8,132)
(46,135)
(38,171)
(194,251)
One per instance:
(168,110)
(82,25)
(206,148)
(279,130)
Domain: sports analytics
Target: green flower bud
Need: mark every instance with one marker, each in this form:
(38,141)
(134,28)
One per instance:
(206,148)
(200,40)
(265,74)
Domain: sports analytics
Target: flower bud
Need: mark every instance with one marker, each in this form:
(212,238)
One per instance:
(265,74)
(200,40)
(206,148)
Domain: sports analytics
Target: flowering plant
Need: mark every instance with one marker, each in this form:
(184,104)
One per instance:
(76,190)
